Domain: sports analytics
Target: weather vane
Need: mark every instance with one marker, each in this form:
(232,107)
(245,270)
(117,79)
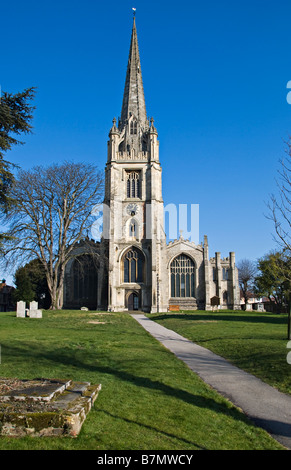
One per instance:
(134,11)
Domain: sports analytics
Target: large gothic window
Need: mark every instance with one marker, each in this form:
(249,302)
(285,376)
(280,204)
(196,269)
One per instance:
(133,184)
(85,281)
(133,262)
(182,277)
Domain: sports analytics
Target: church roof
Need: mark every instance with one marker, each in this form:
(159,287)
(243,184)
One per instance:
(133,97)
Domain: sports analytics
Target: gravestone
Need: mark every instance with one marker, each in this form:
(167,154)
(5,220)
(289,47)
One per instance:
(33,305)
(34,312)
(20,309)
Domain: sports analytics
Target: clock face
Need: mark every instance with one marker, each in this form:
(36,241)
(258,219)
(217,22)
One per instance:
(132,209)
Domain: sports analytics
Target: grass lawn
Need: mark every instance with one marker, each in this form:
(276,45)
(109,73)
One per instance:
(149,399)
(255,342)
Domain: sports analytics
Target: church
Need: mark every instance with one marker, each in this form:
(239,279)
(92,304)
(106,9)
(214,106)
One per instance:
(138,269)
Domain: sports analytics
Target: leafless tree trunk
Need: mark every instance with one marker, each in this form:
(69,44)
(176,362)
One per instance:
(280,214)
(246,275)
(51,216)
(280,204)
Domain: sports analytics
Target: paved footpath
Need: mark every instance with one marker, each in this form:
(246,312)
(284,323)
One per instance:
(263,404)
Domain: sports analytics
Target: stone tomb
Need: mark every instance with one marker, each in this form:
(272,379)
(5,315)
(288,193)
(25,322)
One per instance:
(44,407)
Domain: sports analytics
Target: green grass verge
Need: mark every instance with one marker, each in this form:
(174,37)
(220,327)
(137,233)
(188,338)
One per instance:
(149,399)
(255,342)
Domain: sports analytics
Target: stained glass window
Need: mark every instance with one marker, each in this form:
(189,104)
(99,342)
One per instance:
(182,277)
(133,266)
(133,184)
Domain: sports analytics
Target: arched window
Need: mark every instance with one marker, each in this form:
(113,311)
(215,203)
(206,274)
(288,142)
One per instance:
(144,145)
(85,281)
(133,229)
(133,128)
(182,277)
(214,277)
(225,274)
(133,184)
(133,262)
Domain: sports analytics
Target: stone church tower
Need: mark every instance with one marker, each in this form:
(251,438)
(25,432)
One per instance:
(142,271)
(133,194)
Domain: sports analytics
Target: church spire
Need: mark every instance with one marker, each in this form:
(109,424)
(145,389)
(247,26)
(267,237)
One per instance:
(133,97)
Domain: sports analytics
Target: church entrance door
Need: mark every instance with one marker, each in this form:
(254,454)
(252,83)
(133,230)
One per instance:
(133,302)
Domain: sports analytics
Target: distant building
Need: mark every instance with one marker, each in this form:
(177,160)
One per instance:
(262,304)
(6,302)
(254,303)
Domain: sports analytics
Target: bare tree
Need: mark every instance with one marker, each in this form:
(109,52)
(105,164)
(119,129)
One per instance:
(51,216)
(280,214)
(246,275)
(280,205)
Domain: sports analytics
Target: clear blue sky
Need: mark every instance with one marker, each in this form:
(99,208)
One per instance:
(215,77)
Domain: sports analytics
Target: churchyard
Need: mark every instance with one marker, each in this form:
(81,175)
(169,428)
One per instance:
(149,400)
